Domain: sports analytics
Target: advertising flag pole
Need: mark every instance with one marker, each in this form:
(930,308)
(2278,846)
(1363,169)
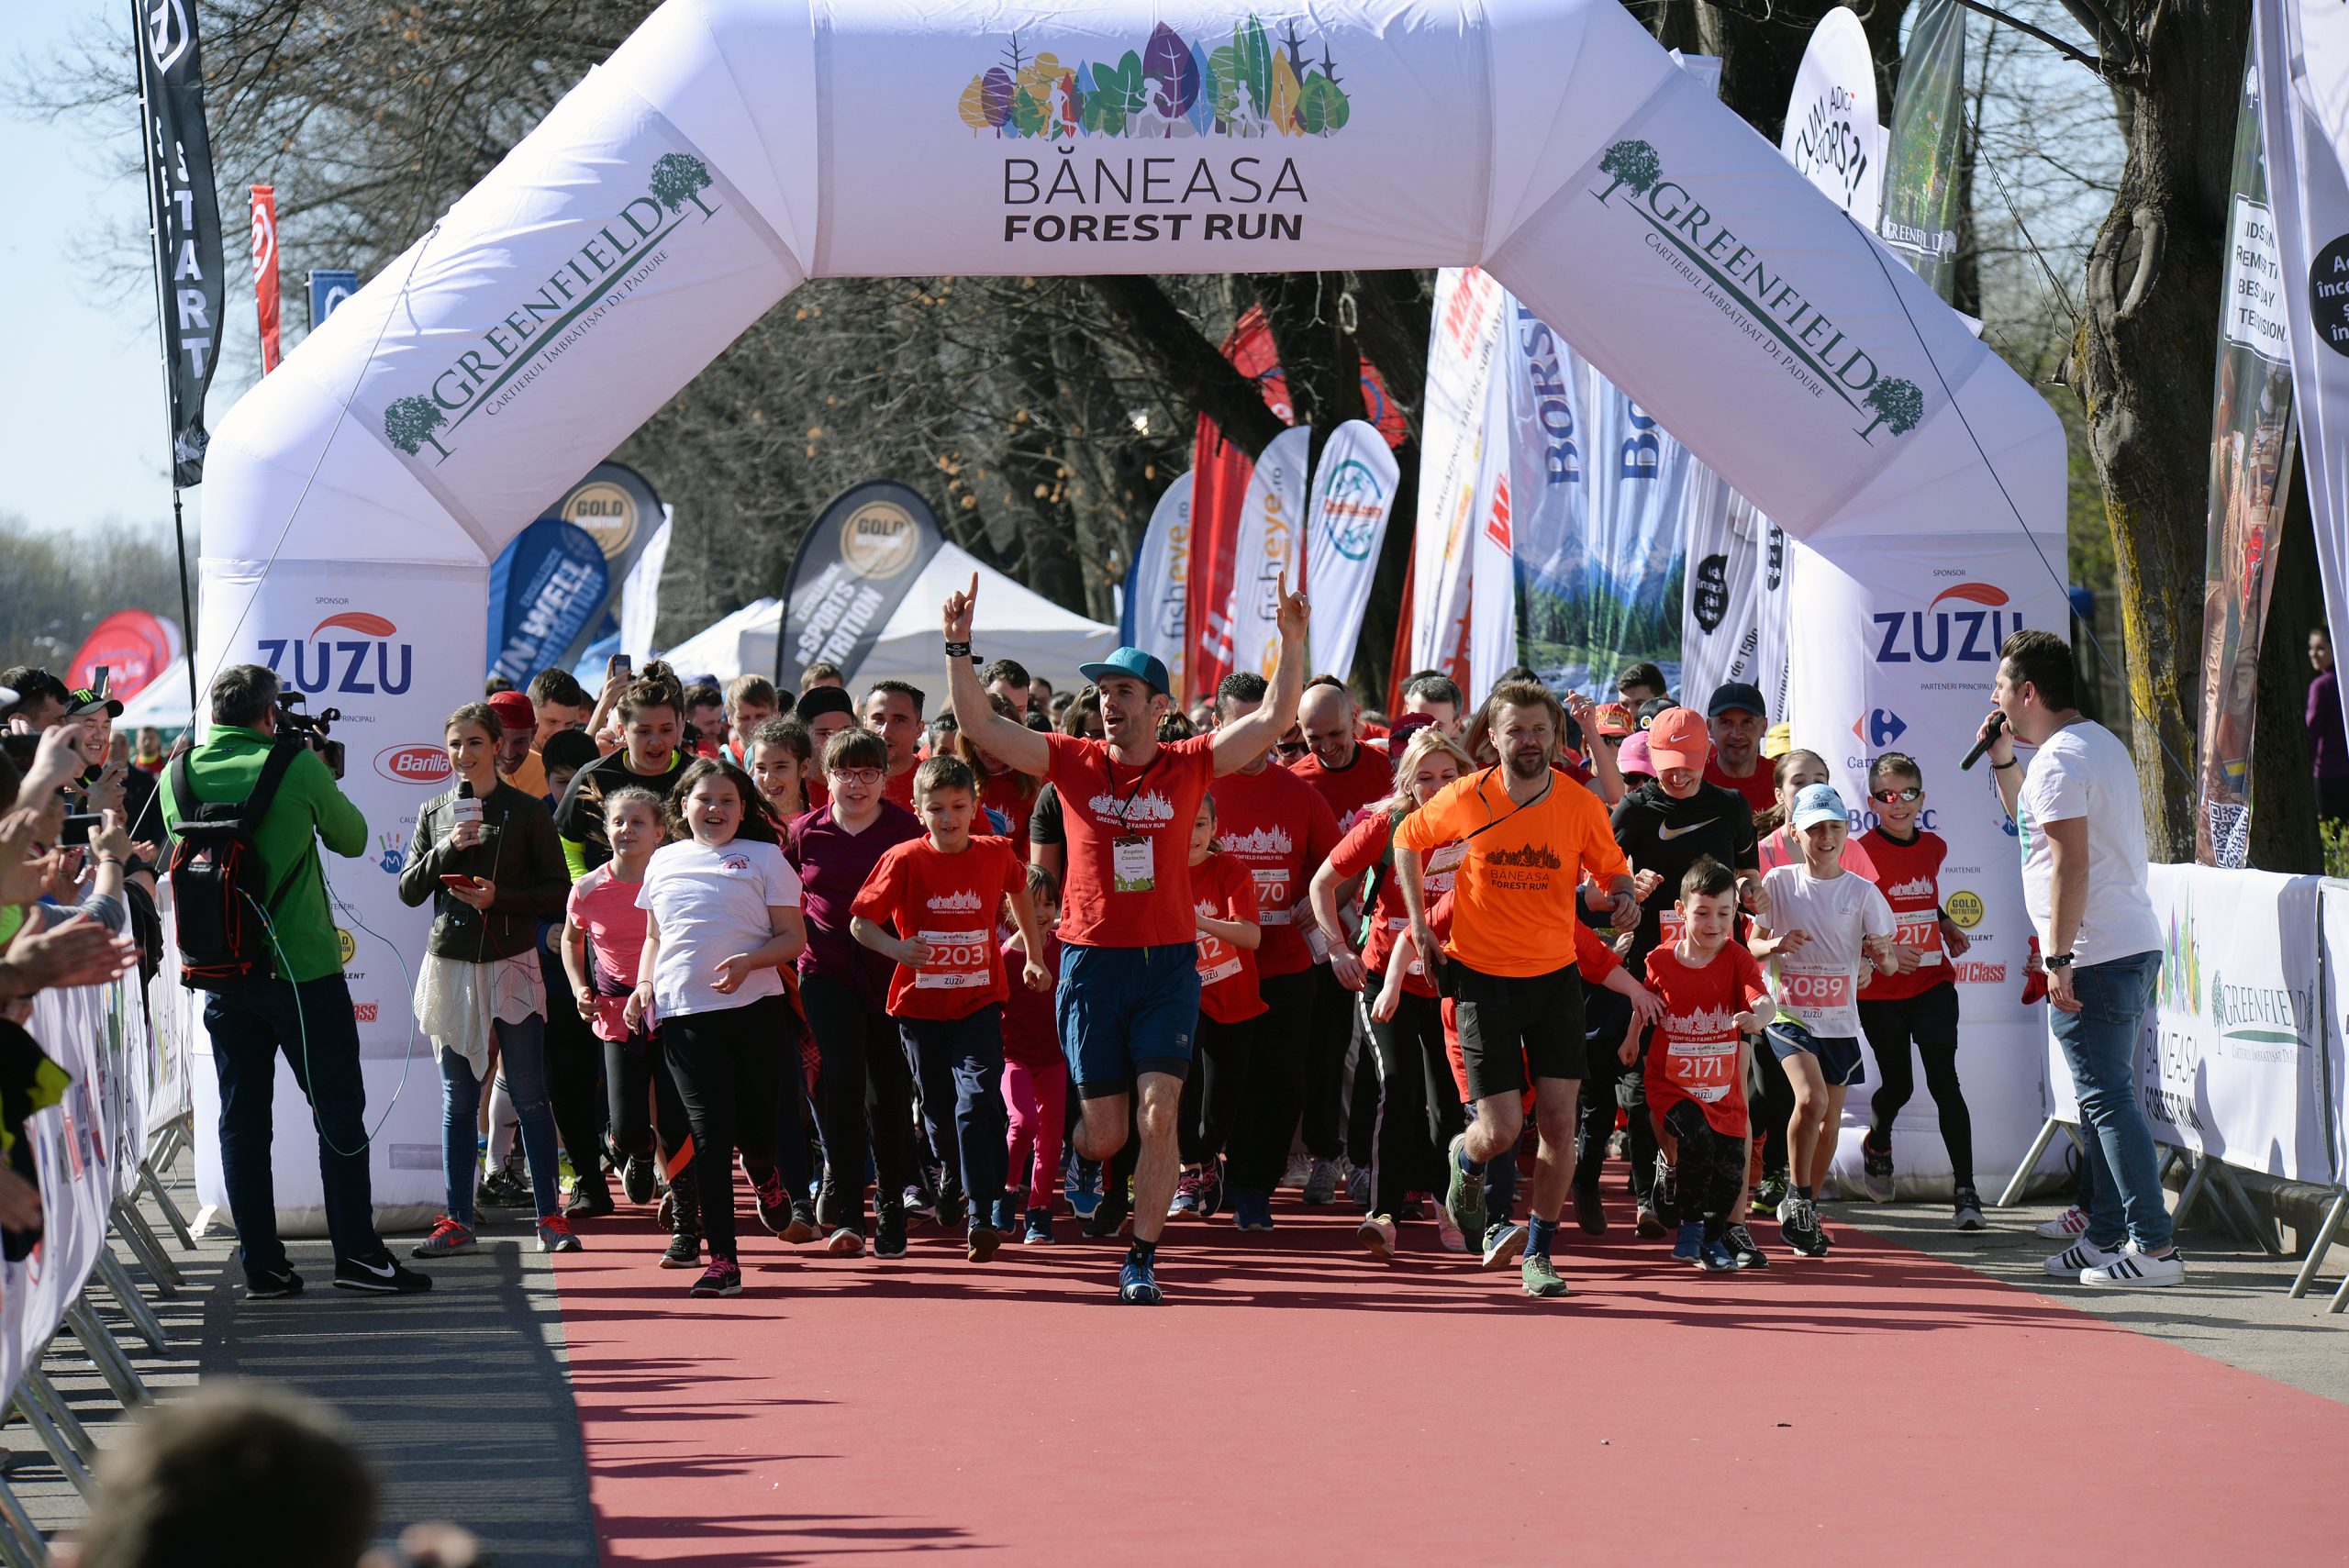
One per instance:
(164,340)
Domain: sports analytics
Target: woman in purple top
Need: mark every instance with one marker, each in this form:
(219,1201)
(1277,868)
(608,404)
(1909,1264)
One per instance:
(2328,750)
(860,1065)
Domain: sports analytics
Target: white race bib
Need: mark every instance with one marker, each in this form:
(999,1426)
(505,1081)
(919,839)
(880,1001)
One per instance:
(959,961)
(1821,1000)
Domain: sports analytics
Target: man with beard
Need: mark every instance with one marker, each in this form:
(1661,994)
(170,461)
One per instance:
(1529,837)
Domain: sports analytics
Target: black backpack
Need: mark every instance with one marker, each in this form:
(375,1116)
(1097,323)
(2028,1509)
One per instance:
(216,877)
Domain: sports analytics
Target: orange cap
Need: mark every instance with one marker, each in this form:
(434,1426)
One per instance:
(1678,738)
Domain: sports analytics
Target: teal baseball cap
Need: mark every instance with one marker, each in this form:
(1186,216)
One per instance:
(1147,668)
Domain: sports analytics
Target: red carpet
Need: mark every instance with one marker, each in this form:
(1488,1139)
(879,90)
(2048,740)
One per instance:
(1298,1402)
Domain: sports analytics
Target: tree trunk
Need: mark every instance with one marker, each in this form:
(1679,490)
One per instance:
(2283,793)
(2142,373)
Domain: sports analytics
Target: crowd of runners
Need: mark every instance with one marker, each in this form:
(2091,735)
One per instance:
(1030,963)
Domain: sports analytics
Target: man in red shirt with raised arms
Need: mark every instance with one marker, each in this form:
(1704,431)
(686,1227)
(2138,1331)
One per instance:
(1129,996)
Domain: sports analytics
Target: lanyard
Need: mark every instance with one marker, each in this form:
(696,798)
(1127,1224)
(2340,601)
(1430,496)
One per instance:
(1109,770)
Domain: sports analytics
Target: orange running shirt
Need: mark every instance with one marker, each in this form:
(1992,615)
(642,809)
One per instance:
(1514,894)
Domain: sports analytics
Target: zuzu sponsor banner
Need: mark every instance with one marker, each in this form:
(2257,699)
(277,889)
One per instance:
(1899,647)
(2238,1060)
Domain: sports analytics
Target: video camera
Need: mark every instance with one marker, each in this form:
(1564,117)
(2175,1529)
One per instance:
(308,731)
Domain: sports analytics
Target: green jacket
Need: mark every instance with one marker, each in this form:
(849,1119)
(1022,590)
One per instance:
(308,804)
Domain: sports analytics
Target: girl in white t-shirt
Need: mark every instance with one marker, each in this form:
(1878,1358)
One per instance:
(1818,927)
(722,912)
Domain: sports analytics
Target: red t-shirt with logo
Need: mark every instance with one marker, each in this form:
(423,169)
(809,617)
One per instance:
(1352,790)
(949,902)
(1760,792)
(1908,875)
(1279,828)
(1692,1051)
(1223,889)
(1104,801)
(1358,851)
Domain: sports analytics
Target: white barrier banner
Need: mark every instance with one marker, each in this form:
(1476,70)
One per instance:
(2233,1061)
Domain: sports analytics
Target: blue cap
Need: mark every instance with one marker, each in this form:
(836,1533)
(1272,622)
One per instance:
(1147,668)
(1818,803)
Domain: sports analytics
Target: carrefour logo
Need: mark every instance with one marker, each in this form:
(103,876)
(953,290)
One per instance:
(368,664)
(1880,729)
(1966,623)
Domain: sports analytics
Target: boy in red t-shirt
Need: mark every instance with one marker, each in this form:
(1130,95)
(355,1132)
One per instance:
(1224,908)
(1695,1065)
(1035,1073)
(1919,1003)
(940,893)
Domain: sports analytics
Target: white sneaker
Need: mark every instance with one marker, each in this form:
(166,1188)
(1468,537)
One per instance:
(2072,1223)
(1378,1233)
(2081,1254)
(1447,1230)
(2131,1270)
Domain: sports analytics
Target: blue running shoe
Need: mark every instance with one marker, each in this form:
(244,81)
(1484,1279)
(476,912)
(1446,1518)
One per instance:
(1006,1214)
(1039,1228)
(1138,1284)
(1251,1209)
(1690,1245)
(1715,1258)
(1084,1189)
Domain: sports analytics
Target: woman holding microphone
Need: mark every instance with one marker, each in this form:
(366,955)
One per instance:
(722,912)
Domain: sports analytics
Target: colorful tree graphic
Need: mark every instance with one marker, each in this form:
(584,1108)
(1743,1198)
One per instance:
(1170,87)
(1898,403)
(1632,163)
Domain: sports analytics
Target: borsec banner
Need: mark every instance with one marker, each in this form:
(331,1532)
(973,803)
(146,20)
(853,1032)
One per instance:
(852,568)
(544,590)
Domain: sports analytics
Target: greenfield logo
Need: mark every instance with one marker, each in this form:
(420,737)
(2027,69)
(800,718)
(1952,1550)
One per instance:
(1800,335)
(592,279)
(1251,86)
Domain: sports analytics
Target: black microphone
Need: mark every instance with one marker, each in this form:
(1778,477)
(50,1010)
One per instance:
(1998,727)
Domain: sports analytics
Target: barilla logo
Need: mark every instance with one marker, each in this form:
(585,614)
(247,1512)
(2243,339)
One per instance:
(417,765)
(1968,631)
(342,664)
(957,903)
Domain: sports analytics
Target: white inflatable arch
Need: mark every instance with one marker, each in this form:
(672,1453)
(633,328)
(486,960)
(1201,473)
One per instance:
(733,148)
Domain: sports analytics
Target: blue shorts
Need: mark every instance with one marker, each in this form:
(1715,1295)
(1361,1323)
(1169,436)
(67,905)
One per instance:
(1126,1011)
(1839,1056)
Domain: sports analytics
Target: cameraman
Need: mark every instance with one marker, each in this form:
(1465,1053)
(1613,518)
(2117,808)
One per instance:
(304,1008)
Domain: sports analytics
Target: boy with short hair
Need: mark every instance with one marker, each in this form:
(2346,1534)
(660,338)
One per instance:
(750,701)
(1919,1002)
(1695,1065)
(940,893)
(1816,924)
(1035,1072)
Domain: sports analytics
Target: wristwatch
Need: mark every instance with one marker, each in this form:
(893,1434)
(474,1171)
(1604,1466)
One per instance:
(958,651)
(2056,960)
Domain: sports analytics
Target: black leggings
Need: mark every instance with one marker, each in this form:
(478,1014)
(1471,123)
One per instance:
(1930,1020)
(1419,1104)
(1276,1081)
(573,1061)
(644,1102)
(865,1100)
(1610,1086)
(1214,1089)
(1709,1170)
(729,1068)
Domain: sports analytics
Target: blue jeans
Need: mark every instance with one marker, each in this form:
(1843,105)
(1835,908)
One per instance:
(313,1024)
(2122,1194)
(522,1063)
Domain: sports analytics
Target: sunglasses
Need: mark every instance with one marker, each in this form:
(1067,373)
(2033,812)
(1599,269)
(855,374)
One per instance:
(1886,796)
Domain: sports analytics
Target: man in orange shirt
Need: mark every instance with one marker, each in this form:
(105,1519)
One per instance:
(1529,837)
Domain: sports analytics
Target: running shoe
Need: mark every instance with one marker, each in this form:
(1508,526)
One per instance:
(1714,1257)
(1447,1231)
(1503,1244)
(1799,1223)
(2078,1258)
(1187,1196)
(920,1203)
(378,1274)
(1590,1214)
(1770,1193)
(1109,1218)
(774,1206)
(1464,1195)
(1321,1182)
(1358,1187)
(502,1189)
(1876,1171)
(1376,1232)
(269,1286)
(845,1242)
(888,1230)
(1040,1227)
(1968,1216)
(684,1251)
(447,1240)
(1651,1224)
(1690,1242)
(802,1229)
(666,1214)
(953,1206)
(1211,1187)
(1084,1188)
(723,1277)
(2130,1269)
(980,1246)
(555,1235)
(1004,1214)
(637,1178)
(1540,1277)
(1251,1210)
(1742,1249)
(2072,1223)
(1137,1284)
(591,1199)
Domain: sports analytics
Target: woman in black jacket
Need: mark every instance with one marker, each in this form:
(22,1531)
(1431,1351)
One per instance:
(492,879)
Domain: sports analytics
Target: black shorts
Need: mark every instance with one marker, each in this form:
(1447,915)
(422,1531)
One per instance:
(1515,1030)
(1930,1018)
